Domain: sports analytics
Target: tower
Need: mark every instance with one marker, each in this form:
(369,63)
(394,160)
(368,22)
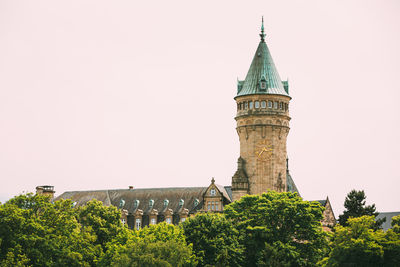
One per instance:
(262,125)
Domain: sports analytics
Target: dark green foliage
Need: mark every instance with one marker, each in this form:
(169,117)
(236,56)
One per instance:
(355,207)
(215,240)
(279,229)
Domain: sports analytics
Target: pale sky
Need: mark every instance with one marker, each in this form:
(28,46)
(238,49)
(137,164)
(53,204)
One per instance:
(107,94)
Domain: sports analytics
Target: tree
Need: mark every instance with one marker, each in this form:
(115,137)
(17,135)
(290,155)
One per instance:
(104,220)
(157,245)
(356,244)
(355,207)
(279,229)
(215,240)
(35,232)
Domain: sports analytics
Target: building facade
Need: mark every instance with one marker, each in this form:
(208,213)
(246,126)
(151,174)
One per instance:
(262,118)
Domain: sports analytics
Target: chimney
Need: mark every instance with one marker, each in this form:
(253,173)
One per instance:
(46,190)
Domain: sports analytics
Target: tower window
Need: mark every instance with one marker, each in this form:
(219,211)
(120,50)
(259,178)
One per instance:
(251,105)
(281,105)
(240,106)
(286,106)
(263,104)
(257,104)
(246,105)
(269,104)
(275,105)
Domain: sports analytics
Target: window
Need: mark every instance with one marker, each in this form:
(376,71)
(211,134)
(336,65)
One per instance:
(138,224)
(246,105)
(212,205)
(281,105)
(257,104)
(183,219)
(123,221)
(216,205)
(213,192)
(208,205)
(263,104)
(269,104)
(153,221)
(286,106)
(240,106)
(263,85)
(275,105)
(251,105)
(168,220)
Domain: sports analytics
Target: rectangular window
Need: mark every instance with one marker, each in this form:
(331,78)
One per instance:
(208,205)
(281,105)
(263,104)
(212,205)
(257,104)
(216,205)
(153,221)
(240,106)
(246,105)
(138,224)
(269,104)
(251,105)
(168,220)
(275,105)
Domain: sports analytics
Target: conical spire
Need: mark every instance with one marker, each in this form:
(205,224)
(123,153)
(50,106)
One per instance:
(262,77)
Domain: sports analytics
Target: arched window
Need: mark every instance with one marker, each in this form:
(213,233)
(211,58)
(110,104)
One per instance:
(263,104)
(269,104)
(257,104)
(246,105)
(251,105)
(276,105)
(281,105)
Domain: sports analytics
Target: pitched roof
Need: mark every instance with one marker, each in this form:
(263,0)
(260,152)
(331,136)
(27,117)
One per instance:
(262,67)
(144,195)
(388,215)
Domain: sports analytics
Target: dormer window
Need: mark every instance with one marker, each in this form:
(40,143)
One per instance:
(263,84)
(213,192)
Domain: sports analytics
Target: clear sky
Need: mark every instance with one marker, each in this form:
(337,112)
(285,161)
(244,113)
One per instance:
(107,94)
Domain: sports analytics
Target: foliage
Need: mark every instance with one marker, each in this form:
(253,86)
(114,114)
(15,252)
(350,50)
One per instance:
(215,240)
(104,220)
(355,207)
(359,244)
(279,229)
(35,232)
(157,245)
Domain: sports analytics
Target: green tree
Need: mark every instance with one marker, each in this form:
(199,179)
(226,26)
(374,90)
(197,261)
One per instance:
(104,220)
(359,244)
(355,207)
(157,245)
(35,232)
(279,229)
(215,240)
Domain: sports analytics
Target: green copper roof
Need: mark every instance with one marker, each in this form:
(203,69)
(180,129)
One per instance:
(262,69)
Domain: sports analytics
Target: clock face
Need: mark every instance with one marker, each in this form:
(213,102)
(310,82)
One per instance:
(264,150)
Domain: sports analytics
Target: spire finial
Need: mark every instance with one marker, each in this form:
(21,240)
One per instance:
(262,35)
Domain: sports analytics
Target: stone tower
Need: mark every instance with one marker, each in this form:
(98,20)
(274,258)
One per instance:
(262,125)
